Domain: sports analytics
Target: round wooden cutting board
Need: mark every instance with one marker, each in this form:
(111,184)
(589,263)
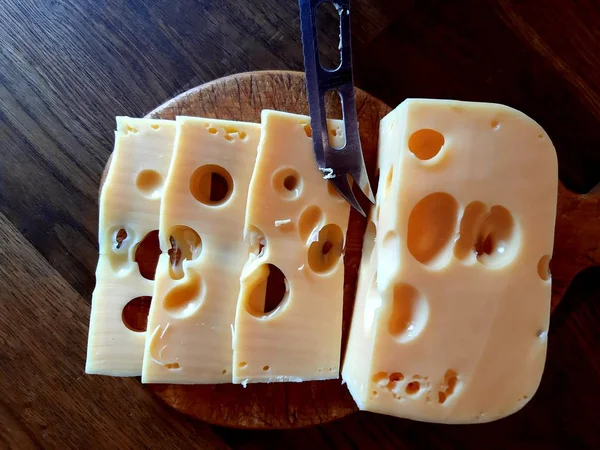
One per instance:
(288,405)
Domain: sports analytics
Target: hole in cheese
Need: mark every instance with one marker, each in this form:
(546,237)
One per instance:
(543,267)
(413,387)
(541,333)
(118,255)
(185,245)
(448,386)
(325,253)
(256,240)
(135,313)
(496,241)
(409,313)
(379,377)
(211,185)
(186,297)
(155,126)
(287,183)
(149,183)
(147,253)
(308,222)
(230,129)
(120,238)
(484,245)
(230,133)
(388,181)
(396,376)
(265,289)
(160,349)
(469,228)
(290,182)
(489,236)
(426,143)
(431,227)
(307,129)
(391,385)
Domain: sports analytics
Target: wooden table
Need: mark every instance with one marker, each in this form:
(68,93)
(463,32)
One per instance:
(68,67)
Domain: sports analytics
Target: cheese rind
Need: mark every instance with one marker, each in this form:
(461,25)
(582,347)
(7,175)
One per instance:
(292,214)
(201,238)
(451,317)
(129,211)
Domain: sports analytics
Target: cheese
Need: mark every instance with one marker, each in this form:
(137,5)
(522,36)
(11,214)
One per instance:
(129,212)
(201,238)
(289,312)
(452,310)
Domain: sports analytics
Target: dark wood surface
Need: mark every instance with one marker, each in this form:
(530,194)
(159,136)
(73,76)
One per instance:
(68,67)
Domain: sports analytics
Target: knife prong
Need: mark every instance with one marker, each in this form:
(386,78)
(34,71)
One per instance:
(343,187)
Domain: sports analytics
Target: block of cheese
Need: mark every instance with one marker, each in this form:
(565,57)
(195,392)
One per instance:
(289,313)
(452,311)
(129,211)
(203,252)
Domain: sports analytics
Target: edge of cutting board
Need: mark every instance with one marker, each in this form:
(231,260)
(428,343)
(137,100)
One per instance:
(294,405)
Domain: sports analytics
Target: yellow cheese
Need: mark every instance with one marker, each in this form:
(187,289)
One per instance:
(452,311)
(289,313)
(129,211)
(201,237)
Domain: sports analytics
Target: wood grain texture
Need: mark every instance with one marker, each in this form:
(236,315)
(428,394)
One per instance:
(67,67)
(577,239)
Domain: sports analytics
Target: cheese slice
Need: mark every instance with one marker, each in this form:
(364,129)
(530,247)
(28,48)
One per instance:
(129,212)
(289,313)
(452,311)
(201,237)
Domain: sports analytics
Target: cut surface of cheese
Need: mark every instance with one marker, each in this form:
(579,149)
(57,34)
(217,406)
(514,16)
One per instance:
(453,300)
(289,313)
(128,229)
(203,252)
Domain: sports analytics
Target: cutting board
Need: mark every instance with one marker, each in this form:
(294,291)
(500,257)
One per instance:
(294,405)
